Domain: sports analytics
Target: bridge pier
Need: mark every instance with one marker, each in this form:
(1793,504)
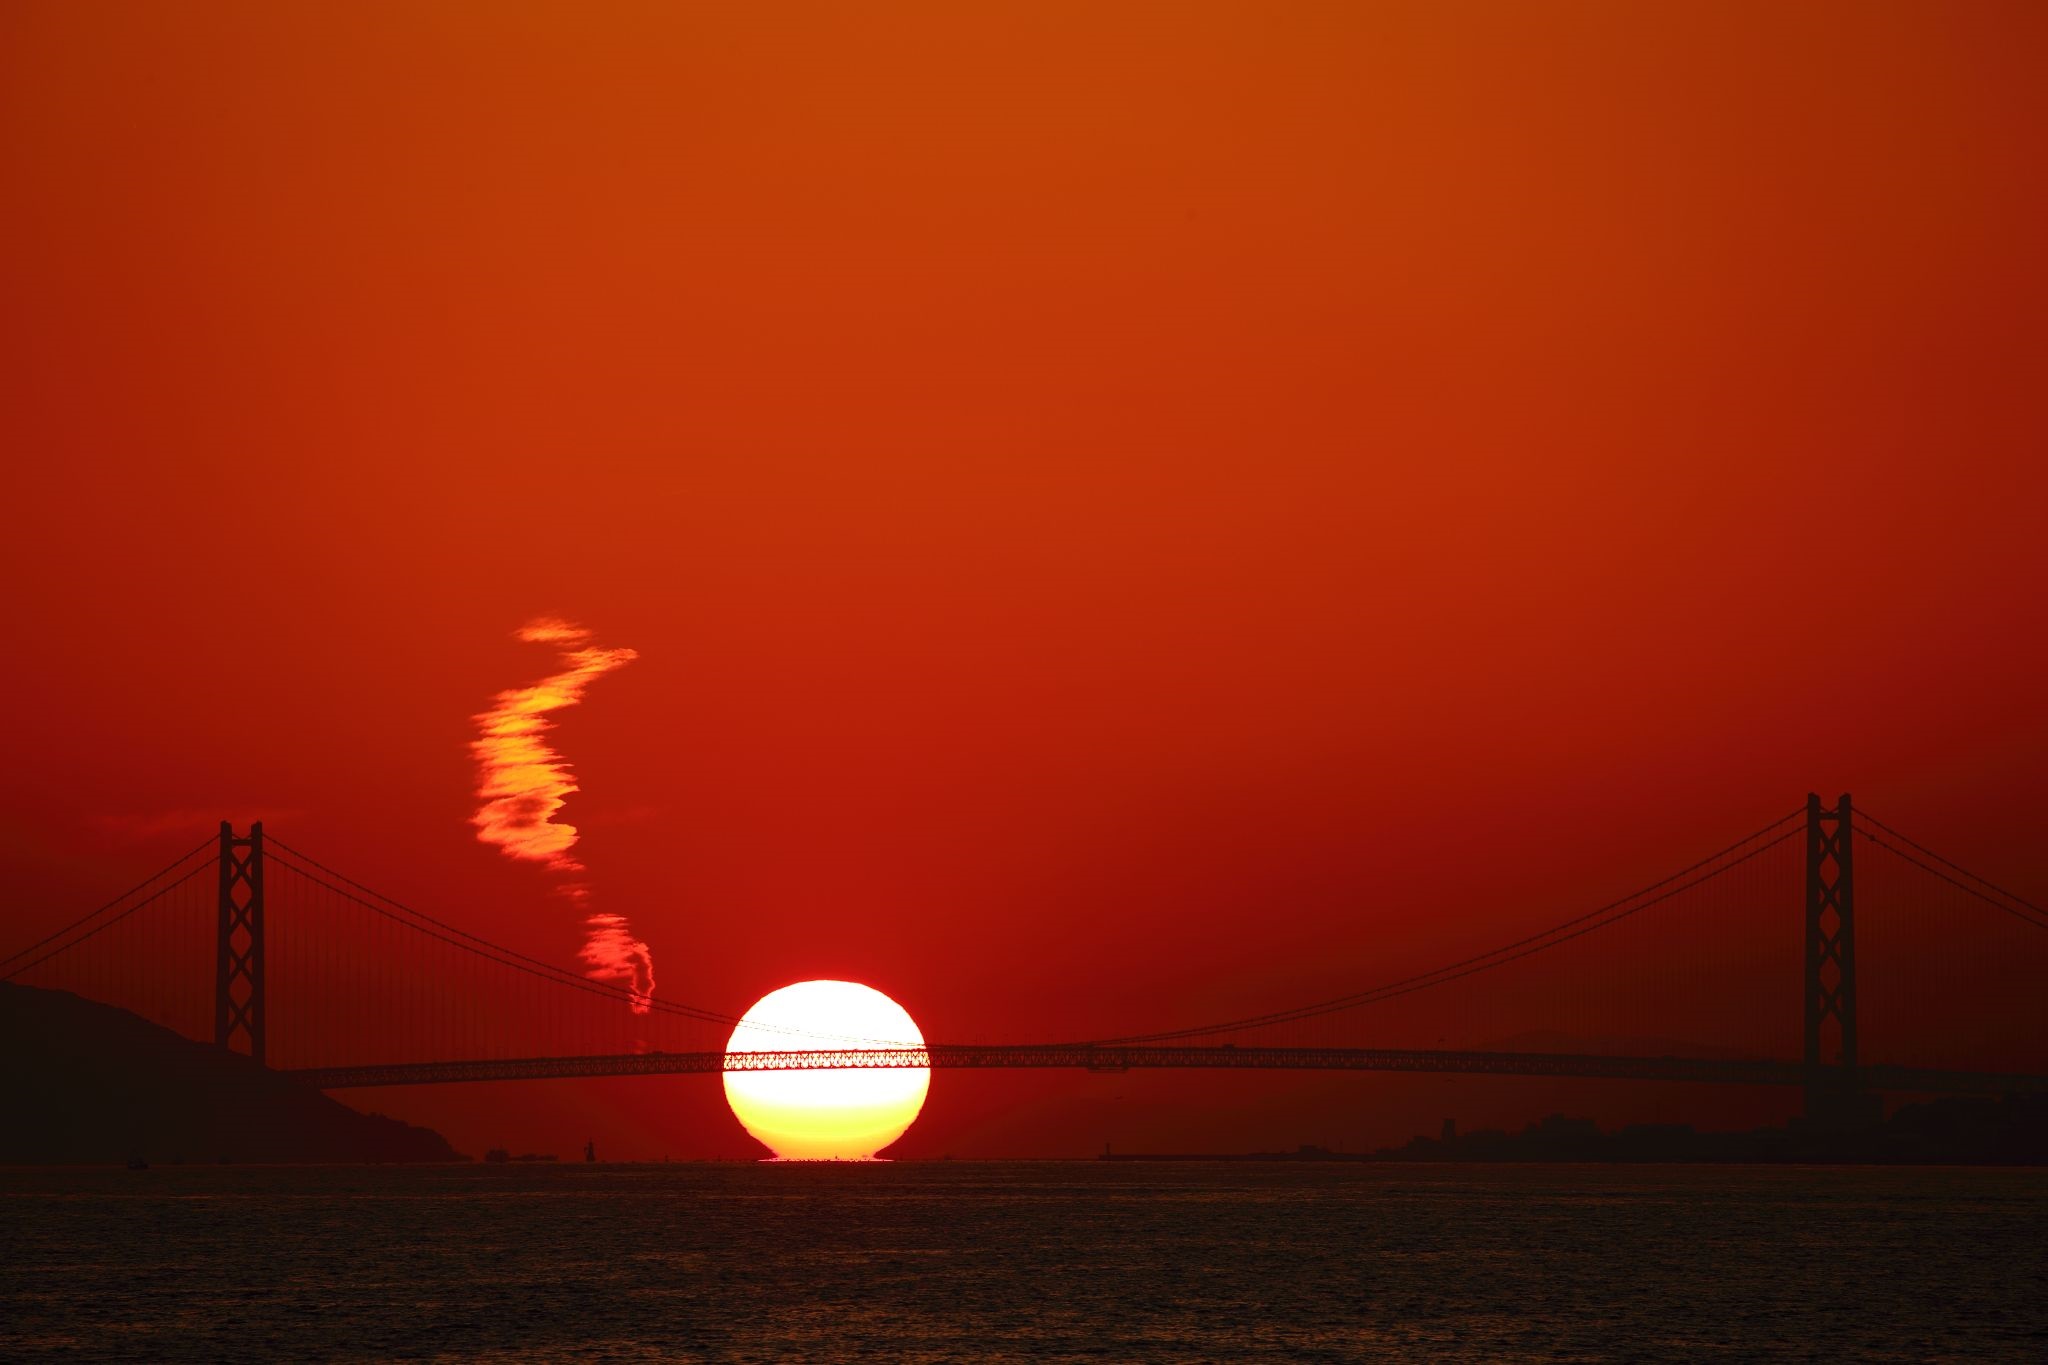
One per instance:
(238,960)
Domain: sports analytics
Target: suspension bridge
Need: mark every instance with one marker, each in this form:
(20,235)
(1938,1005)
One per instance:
(1749,955)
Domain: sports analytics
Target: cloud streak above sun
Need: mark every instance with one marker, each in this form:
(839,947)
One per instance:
(523,781)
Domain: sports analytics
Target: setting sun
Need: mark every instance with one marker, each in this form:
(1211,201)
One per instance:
(837,1114)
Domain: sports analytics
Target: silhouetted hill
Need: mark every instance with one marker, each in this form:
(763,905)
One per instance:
(84,1082)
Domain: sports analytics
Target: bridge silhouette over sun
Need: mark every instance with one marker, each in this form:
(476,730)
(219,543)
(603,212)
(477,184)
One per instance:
(1917,976)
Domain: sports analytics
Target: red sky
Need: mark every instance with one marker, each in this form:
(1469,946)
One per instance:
(1125,513)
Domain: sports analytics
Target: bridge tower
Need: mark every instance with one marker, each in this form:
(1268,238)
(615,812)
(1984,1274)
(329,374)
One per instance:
(1834,1085)
(238,962)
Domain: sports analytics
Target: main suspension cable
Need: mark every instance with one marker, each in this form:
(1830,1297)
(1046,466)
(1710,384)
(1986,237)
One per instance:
(521,962)
(150,899)
(82,920)
(1863,814)
(1555,935)
(2021,915)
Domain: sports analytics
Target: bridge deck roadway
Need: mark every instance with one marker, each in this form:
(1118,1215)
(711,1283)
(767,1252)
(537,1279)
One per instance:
(1084,1057)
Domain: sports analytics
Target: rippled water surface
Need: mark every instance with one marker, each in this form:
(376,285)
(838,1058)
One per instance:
(1165,1261)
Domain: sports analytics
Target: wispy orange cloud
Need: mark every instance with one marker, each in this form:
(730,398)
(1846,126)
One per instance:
(522,782)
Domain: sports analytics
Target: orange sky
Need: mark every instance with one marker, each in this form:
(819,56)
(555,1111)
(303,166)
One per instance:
(1080,480)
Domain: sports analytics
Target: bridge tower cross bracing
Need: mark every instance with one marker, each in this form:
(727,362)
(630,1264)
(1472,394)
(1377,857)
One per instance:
(1834,1085)
(238,963)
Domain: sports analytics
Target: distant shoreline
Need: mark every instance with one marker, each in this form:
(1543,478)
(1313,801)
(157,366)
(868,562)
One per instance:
(1943,1132)
(1114,1159)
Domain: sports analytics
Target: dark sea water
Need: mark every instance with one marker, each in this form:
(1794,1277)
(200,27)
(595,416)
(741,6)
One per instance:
(1077,1260)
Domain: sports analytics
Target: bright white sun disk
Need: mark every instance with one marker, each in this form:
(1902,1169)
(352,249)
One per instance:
(837,1114)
